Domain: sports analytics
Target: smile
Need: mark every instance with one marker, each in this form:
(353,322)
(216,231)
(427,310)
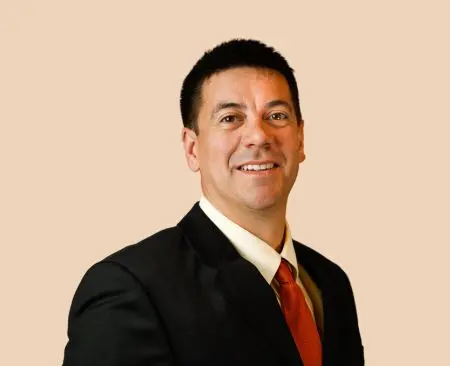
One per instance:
(257,167)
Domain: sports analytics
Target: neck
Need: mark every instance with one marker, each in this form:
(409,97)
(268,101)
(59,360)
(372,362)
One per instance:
(268,224)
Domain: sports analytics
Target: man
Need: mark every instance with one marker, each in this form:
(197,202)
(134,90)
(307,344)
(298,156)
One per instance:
(227,285)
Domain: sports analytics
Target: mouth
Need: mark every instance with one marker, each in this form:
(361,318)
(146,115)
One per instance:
(255,168)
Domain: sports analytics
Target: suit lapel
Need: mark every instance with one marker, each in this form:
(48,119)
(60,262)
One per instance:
(248,293)
(243,287)
(324,281)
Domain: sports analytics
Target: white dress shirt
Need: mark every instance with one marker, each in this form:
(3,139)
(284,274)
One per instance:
(256,251)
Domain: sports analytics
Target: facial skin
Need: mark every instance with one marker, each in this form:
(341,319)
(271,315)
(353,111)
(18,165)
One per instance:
(247,129)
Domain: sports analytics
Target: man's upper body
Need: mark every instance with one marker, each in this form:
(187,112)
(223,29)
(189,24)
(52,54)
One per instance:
(185,296)
(206,291)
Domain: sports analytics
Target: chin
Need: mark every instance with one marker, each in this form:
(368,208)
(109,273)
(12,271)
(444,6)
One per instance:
(261,202)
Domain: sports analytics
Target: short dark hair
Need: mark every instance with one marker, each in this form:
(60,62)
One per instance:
(234,53)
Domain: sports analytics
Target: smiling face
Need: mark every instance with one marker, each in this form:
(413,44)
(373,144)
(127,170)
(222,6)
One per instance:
(249,144)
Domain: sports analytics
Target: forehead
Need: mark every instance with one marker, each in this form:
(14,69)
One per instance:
(245,85)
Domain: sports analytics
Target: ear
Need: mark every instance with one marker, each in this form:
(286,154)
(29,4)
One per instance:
(190,144)
(301,142)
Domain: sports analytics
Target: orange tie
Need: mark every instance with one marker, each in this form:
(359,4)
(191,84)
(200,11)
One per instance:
(298,317)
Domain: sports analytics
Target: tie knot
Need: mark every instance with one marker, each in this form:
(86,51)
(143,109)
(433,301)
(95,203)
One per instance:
(284,274)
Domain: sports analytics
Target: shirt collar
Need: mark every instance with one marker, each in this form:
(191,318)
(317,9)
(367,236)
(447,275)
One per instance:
(249,246)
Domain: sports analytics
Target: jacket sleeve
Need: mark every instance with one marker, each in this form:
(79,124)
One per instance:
(112,322)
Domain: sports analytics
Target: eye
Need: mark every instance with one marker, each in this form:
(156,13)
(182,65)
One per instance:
(278,116)
(229,118)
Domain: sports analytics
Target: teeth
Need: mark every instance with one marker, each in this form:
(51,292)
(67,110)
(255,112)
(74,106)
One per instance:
(257,167)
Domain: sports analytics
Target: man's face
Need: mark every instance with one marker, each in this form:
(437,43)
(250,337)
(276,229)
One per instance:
(249,144)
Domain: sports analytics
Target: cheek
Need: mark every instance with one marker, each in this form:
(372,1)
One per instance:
(222,148)
(292,151)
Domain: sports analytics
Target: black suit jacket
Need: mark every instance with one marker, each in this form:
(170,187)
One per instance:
(184,296)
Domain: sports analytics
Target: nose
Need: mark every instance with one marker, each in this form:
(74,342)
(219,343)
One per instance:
(257,133)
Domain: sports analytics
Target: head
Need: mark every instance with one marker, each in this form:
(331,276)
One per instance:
(243,129)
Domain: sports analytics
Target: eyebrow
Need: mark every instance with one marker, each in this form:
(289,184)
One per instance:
(225,105)
(279,102)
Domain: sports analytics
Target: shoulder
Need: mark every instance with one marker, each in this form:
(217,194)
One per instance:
(306,253)
(133,266)
(138,261)
(152,248)
(155,254)
(318,263)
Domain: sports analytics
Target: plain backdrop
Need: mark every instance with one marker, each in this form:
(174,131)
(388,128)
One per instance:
(92,161)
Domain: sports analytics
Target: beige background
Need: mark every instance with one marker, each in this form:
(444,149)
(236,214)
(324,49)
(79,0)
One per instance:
(91,158)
